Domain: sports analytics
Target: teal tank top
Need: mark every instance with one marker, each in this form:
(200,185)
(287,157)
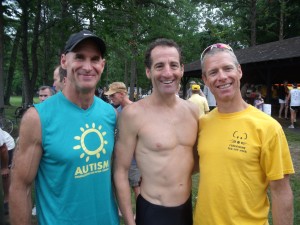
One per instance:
(74,180)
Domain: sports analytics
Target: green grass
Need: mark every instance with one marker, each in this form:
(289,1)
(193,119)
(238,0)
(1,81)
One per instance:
(15,102)
(294,143)
(292,137)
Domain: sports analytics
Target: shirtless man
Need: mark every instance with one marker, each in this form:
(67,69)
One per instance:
(160,131)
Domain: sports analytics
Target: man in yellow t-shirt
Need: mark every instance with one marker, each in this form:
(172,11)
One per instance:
(242,151)
(200,101)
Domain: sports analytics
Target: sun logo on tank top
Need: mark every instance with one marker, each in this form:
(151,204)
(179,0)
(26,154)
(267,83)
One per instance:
(88,133)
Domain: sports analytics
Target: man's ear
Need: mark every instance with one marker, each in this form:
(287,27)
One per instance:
(148,73)
(240,71)
(182,70)
(204,78)
(103,63)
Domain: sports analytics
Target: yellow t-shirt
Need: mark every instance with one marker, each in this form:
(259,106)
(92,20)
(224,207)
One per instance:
(239,154)
(201,102)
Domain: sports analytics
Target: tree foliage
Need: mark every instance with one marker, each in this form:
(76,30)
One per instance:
(35,32)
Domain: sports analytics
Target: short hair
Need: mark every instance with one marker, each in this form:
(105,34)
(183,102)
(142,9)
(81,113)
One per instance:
(214,51)
(62,73)
(44,87)
(160,42)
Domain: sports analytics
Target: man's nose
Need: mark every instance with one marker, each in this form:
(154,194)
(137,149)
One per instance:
(87,65)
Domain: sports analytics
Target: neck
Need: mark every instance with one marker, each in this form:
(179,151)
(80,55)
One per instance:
(125,102)
(82,99)
(167,100)
(232,106)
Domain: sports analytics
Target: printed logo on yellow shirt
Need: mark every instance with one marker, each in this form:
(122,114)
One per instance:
(239,142)
(87,152)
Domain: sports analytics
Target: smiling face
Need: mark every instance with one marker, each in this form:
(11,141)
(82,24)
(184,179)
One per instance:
(84,66)
(222,75)
(165,71)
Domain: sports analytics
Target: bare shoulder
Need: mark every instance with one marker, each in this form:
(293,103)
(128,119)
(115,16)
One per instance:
(134,110)
(30,116)
(129,120)
(191,107)
(30,128)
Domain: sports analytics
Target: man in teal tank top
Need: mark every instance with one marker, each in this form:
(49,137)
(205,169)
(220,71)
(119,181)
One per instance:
(66,146)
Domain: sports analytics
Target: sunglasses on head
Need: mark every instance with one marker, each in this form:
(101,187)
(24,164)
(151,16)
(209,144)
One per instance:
(217,45)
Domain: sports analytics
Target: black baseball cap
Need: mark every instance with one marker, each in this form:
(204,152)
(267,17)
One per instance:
(76,38)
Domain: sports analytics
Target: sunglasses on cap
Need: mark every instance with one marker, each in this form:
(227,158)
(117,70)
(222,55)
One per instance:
(217,45)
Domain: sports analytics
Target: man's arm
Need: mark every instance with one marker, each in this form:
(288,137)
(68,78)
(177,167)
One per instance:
(287,99)
(25,164)
(123,153)
(282,201)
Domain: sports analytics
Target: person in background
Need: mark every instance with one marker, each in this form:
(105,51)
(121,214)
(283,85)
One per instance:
(189,91)
(211,100)
(294,97)
(243,152)
(259,102)
(274,92)
(103,96)
(283,92)
(59,78)
(152,130)
(4,163)
(10,145)
(200,101)
(45,92)
(68,154)
(244,90)
(118,95)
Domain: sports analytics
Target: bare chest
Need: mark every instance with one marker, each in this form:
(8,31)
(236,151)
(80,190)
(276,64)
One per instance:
(163,132)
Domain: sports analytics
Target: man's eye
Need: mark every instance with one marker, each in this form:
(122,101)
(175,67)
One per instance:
(79,57)
(174,66)
(212,73)
(228,68)
(96,59)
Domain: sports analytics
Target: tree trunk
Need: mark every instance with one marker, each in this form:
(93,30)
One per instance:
(47,48)
(253,22)
(1,60)
(126,73)
(64,16)
(34,46)
(281,20)
(132,78)
(25,62)
(12,66)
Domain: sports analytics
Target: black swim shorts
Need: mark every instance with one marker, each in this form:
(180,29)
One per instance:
(151,214)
